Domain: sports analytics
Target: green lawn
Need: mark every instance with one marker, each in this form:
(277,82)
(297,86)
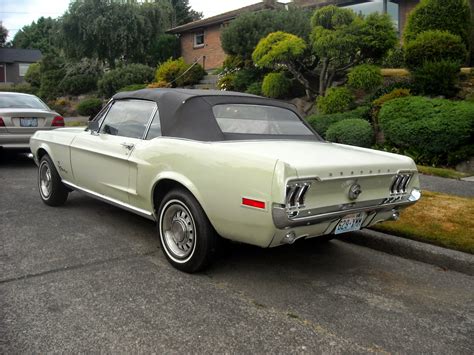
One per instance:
(441,172)
(439,219)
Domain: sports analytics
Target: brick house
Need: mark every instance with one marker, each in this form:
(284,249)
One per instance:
(14,64)
(200,40)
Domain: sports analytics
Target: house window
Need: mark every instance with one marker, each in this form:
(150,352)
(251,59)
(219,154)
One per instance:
(199,39)
(23,68)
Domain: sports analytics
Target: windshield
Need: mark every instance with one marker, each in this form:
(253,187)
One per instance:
(259,120)
(22,101)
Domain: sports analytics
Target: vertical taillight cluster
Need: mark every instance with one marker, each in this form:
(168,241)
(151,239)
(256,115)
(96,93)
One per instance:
(58,121)
(400,183)
(296,193)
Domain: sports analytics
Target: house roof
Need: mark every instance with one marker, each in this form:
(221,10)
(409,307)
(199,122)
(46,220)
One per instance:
(12,55)
(221,18)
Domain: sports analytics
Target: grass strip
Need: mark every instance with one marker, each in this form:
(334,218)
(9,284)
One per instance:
(438,219)
(441,172)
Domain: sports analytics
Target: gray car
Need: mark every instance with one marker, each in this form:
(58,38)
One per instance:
(21,115)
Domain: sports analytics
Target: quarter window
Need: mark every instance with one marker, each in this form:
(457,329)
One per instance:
(155,127)
(199,39)
(128,118)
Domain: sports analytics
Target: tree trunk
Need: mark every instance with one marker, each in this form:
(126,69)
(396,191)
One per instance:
(301,79)
(323,76)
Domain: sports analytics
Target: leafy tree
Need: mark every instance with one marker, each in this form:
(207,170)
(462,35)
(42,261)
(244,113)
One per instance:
(112,31)
(3,36)
(445,15)
(341,40)
(243,34)
(41,35)
(280,48)
(182,13)
(162,48)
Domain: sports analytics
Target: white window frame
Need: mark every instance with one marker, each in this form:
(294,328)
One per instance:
(196,35)
(21,70)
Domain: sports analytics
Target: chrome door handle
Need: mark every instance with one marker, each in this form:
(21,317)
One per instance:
(129,146)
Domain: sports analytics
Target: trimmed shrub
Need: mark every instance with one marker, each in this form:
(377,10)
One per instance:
(24,88)
(395,58)
(276,85)
(226,81)
(321,123)
(89,107)
(394,94)
(255,88)
(391,87)
(336,100)
(437,78)
(431,129)
(81,77)
(365,77)
(118,78)
(33,75)
(446,15)
(244,77)
(351,131)
(175,72)
(159,84)
(434,46)
(133,87)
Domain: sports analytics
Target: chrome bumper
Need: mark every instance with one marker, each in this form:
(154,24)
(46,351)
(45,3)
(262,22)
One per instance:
(282,220)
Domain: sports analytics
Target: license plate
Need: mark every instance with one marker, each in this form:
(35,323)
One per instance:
(350,223)
(28,122)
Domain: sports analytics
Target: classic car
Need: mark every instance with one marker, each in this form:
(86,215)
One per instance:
(21,115)
(207,165)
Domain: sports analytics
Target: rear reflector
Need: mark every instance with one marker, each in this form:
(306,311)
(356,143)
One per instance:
(2,124)
(253,203)
(58,121)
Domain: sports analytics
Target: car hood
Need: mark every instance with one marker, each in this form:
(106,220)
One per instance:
(324,159)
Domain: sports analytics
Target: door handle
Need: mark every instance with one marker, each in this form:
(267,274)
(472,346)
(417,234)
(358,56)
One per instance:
(129,146)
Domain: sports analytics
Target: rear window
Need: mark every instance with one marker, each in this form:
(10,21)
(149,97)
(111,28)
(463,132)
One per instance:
(22,101)
(259,120)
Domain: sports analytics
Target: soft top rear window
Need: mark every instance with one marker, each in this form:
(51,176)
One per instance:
(259,120)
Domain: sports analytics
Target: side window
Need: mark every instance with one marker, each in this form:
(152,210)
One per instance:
(128,118)
(155,127)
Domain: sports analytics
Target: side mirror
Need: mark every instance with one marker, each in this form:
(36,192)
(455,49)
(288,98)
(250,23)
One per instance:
(93,126)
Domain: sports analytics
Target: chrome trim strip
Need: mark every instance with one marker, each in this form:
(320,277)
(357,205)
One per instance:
(281,220)
(112,201)
(150,121)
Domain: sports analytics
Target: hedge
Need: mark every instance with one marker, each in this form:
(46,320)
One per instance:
(434,131)
(89,107)
(365,77)
(116,79)
(276,85)
(353,131)
(321,123)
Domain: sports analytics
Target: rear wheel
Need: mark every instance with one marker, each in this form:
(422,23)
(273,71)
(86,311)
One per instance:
(51,189)
(187,238)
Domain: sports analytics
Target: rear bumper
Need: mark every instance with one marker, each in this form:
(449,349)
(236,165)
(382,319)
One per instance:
(8,140)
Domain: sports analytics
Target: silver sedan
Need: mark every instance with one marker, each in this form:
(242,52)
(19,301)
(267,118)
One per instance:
(21,115)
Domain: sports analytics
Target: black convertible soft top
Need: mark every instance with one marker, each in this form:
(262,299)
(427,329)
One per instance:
(187,113)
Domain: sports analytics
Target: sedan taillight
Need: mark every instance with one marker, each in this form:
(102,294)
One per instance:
(2,124)
(58,121)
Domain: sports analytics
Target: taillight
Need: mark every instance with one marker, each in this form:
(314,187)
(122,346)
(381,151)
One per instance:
(296,193)
(253,203)
(58,121)
(2,124)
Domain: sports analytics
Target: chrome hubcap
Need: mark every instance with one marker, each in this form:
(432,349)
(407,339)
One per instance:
(45,180)
(178,229)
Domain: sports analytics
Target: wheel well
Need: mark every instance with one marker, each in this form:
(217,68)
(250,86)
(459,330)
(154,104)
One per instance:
(162,188)
(41,153)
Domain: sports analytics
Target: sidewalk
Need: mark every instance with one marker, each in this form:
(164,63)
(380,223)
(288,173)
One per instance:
(447,186)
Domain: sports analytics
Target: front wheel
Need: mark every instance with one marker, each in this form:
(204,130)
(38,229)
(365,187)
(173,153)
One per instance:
(51,189)
(187,238)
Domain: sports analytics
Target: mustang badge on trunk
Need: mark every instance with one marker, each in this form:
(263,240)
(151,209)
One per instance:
(354,192)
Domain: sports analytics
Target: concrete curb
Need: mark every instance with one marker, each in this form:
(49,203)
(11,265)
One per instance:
(410,249)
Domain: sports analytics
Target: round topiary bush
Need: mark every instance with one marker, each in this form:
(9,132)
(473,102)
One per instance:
(336,100)
(89,107)
(365,77)
(437,78)
(321,123)
(178,73)
(115,79)
(432,129)
(351,131)
(434,46)
(276,85)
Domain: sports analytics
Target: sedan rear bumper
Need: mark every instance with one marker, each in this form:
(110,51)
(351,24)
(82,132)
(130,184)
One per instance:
(9,140)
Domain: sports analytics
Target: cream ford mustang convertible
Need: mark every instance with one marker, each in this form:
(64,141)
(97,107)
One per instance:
(208,164)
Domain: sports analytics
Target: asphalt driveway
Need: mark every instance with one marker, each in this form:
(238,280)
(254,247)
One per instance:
(90,277)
